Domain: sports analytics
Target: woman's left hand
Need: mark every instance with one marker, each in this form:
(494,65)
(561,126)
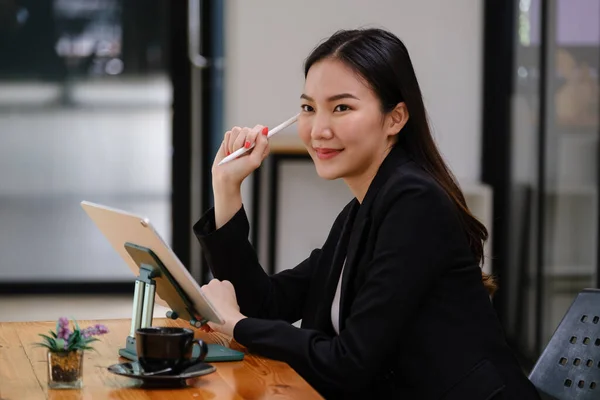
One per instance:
(222,296)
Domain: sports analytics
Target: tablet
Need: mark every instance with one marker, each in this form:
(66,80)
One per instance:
(122,228)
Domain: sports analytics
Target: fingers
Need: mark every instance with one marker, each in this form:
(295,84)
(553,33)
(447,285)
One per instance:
(229,139)
(225,144)
(213,283)
(216,282)
(252,134)
(238,137)
(208,287)
(261,150)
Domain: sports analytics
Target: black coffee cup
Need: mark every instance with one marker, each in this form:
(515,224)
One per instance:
(161,348)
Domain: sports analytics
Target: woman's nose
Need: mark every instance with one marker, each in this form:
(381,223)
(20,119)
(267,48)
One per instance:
(321,128)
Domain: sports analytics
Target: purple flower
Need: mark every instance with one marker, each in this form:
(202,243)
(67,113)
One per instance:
(70,341)
(63,322)
(95,330)
(67,333)
(63,331)
(101,329)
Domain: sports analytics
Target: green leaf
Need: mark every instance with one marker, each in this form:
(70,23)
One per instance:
(77,341)
(53,334)
(74,345)
(75,336)
(89,348)
(44,345)
(48,338)
(48,342)
(60,344)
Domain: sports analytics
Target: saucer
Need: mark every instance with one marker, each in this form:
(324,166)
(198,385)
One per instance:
(135,370)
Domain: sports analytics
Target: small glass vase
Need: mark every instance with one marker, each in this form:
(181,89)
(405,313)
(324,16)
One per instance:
(65,370)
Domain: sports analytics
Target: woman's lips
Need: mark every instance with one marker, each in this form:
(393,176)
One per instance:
(326,154)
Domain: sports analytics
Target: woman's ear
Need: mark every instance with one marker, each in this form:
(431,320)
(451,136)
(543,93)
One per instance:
(397,118)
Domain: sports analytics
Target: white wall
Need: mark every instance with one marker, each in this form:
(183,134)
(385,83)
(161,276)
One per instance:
(266,44)
(268,40)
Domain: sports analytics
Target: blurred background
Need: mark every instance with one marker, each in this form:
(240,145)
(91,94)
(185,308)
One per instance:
(124,102)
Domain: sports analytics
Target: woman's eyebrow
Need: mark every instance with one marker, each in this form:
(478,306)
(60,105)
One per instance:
(331,98)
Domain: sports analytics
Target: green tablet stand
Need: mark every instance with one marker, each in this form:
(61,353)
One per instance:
(155,277)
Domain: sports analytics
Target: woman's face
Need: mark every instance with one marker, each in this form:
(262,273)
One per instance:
(341,122)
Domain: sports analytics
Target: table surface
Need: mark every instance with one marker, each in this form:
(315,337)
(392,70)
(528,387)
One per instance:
(23,369)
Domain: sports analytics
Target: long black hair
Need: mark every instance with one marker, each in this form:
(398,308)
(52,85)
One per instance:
(382,60)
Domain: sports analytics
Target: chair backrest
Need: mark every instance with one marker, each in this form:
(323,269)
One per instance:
(569,367)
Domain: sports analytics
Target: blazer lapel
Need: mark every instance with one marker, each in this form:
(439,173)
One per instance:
(355,246)
(361,227)
(337,263)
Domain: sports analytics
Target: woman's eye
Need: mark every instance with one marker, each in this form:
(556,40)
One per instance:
(341,108)
(307,108)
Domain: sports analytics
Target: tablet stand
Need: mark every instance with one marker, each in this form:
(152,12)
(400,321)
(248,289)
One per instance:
(153,275)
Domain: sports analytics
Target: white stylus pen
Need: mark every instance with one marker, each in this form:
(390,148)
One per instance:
(272,132)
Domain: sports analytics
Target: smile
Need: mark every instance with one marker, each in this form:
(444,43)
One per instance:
(326,154)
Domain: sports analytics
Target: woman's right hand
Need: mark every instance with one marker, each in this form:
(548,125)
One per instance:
(230,175)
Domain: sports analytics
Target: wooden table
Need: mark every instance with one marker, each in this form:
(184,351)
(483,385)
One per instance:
(23,370)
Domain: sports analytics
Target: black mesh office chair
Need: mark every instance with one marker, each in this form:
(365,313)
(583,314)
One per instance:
(569,367)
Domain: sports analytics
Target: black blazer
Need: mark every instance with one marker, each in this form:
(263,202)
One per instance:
(415,319)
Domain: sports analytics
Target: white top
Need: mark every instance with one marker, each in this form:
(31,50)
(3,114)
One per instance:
(335,306)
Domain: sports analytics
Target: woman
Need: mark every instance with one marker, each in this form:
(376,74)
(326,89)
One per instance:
(394,305)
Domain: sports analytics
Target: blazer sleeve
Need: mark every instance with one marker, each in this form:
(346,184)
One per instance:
(408,258)
(231,257)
